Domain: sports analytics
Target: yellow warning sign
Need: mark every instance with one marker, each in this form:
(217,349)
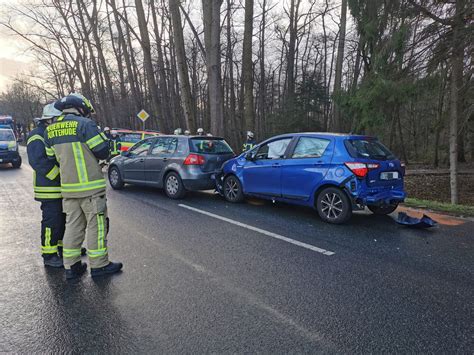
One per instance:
(143,115)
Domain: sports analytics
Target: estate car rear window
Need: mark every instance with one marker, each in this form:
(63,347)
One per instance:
(210,146)
(368,149)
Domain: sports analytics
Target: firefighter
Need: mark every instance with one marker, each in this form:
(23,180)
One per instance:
(115,144)
(106,132)
(187,132)
(47,190)
(76,142)
(177,131)
(200,131)
(249,143)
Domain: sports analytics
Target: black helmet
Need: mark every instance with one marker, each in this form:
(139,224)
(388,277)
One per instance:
(76,101)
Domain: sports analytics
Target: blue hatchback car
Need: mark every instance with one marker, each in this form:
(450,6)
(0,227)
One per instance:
(333,173)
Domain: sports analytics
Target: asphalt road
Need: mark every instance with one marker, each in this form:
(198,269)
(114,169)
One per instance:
(204,280)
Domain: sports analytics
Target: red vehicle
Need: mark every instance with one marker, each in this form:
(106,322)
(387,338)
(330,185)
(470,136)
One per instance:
(129,137)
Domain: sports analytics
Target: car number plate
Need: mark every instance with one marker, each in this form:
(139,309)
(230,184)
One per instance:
(389,175)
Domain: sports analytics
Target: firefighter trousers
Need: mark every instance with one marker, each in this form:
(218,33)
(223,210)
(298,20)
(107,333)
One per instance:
(52,226)
(86,218)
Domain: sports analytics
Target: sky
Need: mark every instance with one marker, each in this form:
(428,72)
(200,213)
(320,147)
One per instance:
(13,60)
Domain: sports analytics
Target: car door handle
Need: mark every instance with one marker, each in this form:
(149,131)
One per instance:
(165,159)
(276,165)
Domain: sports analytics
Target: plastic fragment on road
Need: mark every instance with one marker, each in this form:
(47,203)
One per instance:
(413,222)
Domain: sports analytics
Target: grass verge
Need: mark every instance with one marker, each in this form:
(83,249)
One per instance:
(457,210)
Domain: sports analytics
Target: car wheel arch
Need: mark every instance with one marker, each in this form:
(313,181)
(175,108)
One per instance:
(324,186)
(238,177)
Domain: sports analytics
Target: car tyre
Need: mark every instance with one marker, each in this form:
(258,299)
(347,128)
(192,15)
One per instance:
(174,187)
(233,189)
(115,178)
(383,209)
(333,206)
(16,164)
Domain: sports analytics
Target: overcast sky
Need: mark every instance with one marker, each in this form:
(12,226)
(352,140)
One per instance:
(12,53)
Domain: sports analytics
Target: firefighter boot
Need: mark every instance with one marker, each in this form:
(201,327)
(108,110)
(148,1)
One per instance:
(112,268)
(76,270)
(53,261)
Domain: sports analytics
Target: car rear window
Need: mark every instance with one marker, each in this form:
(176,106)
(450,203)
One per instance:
(6,135)
(210,146)
(131,137)
(368,149)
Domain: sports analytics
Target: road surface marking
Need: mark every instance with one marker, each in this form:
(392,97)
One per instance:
(261,231)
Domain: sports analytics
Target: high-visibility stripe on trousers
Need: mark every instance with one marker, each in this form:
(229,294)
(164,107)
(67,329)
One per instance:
(86,218)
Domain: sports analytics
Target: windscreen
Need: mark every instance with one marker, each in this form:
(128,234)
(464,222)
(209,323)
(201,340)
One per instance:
(210,146)
(368,149)
(6,135)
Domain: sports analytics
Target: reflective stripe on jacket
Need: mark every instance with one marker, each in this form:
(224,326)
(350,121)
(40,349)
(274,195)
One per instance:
(46,181)
(77,144)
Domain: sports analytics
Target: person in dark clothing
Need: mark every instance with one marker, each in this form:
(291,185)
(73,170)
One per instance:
(47,190)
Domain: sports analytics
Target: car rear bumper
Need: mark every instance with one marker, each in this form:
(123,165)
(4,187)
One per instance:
(385,197)
(199,181)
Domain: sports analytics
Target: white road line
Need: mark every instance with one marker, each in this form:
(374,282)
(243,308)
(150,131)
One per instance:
(261,231)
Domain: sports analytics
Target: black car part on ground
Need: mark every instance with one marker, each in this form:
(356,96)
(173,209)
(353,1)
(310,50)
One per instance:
(413,222)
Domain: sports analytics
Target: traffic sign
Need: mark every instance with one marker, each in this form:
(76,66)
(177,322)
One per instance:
(143,115)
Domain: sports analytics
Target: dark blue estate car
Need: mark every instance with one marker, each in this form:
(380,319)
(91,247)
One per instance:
(334,173)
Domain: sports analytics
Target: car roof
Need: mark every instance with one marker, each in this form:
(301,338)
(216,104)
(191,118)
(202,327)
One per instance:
(326,134)
(126,130)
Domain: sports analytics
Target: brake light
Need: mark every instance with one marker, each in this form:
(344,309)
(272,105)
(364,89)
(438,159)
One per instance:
(361,169)
(194,159)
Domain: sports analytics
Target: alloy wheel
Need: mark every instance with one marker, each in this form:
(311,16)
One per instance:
(114,177)
(172,185)
(231,189)
(331,205)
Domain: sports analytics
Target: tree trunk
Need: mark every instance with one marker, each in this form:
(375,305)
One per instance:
(456,84)
(211,20)
(247,68)
(337,124)
(150,75)
(187,98)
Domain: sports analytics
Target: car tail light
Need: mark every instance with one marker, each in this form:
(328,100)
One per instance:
(194,159)
(361,169)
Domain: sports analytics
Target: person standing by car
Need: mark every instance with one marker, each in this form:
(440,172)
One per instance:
(249,143)
(47,190)
(76,142)
(115,144)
